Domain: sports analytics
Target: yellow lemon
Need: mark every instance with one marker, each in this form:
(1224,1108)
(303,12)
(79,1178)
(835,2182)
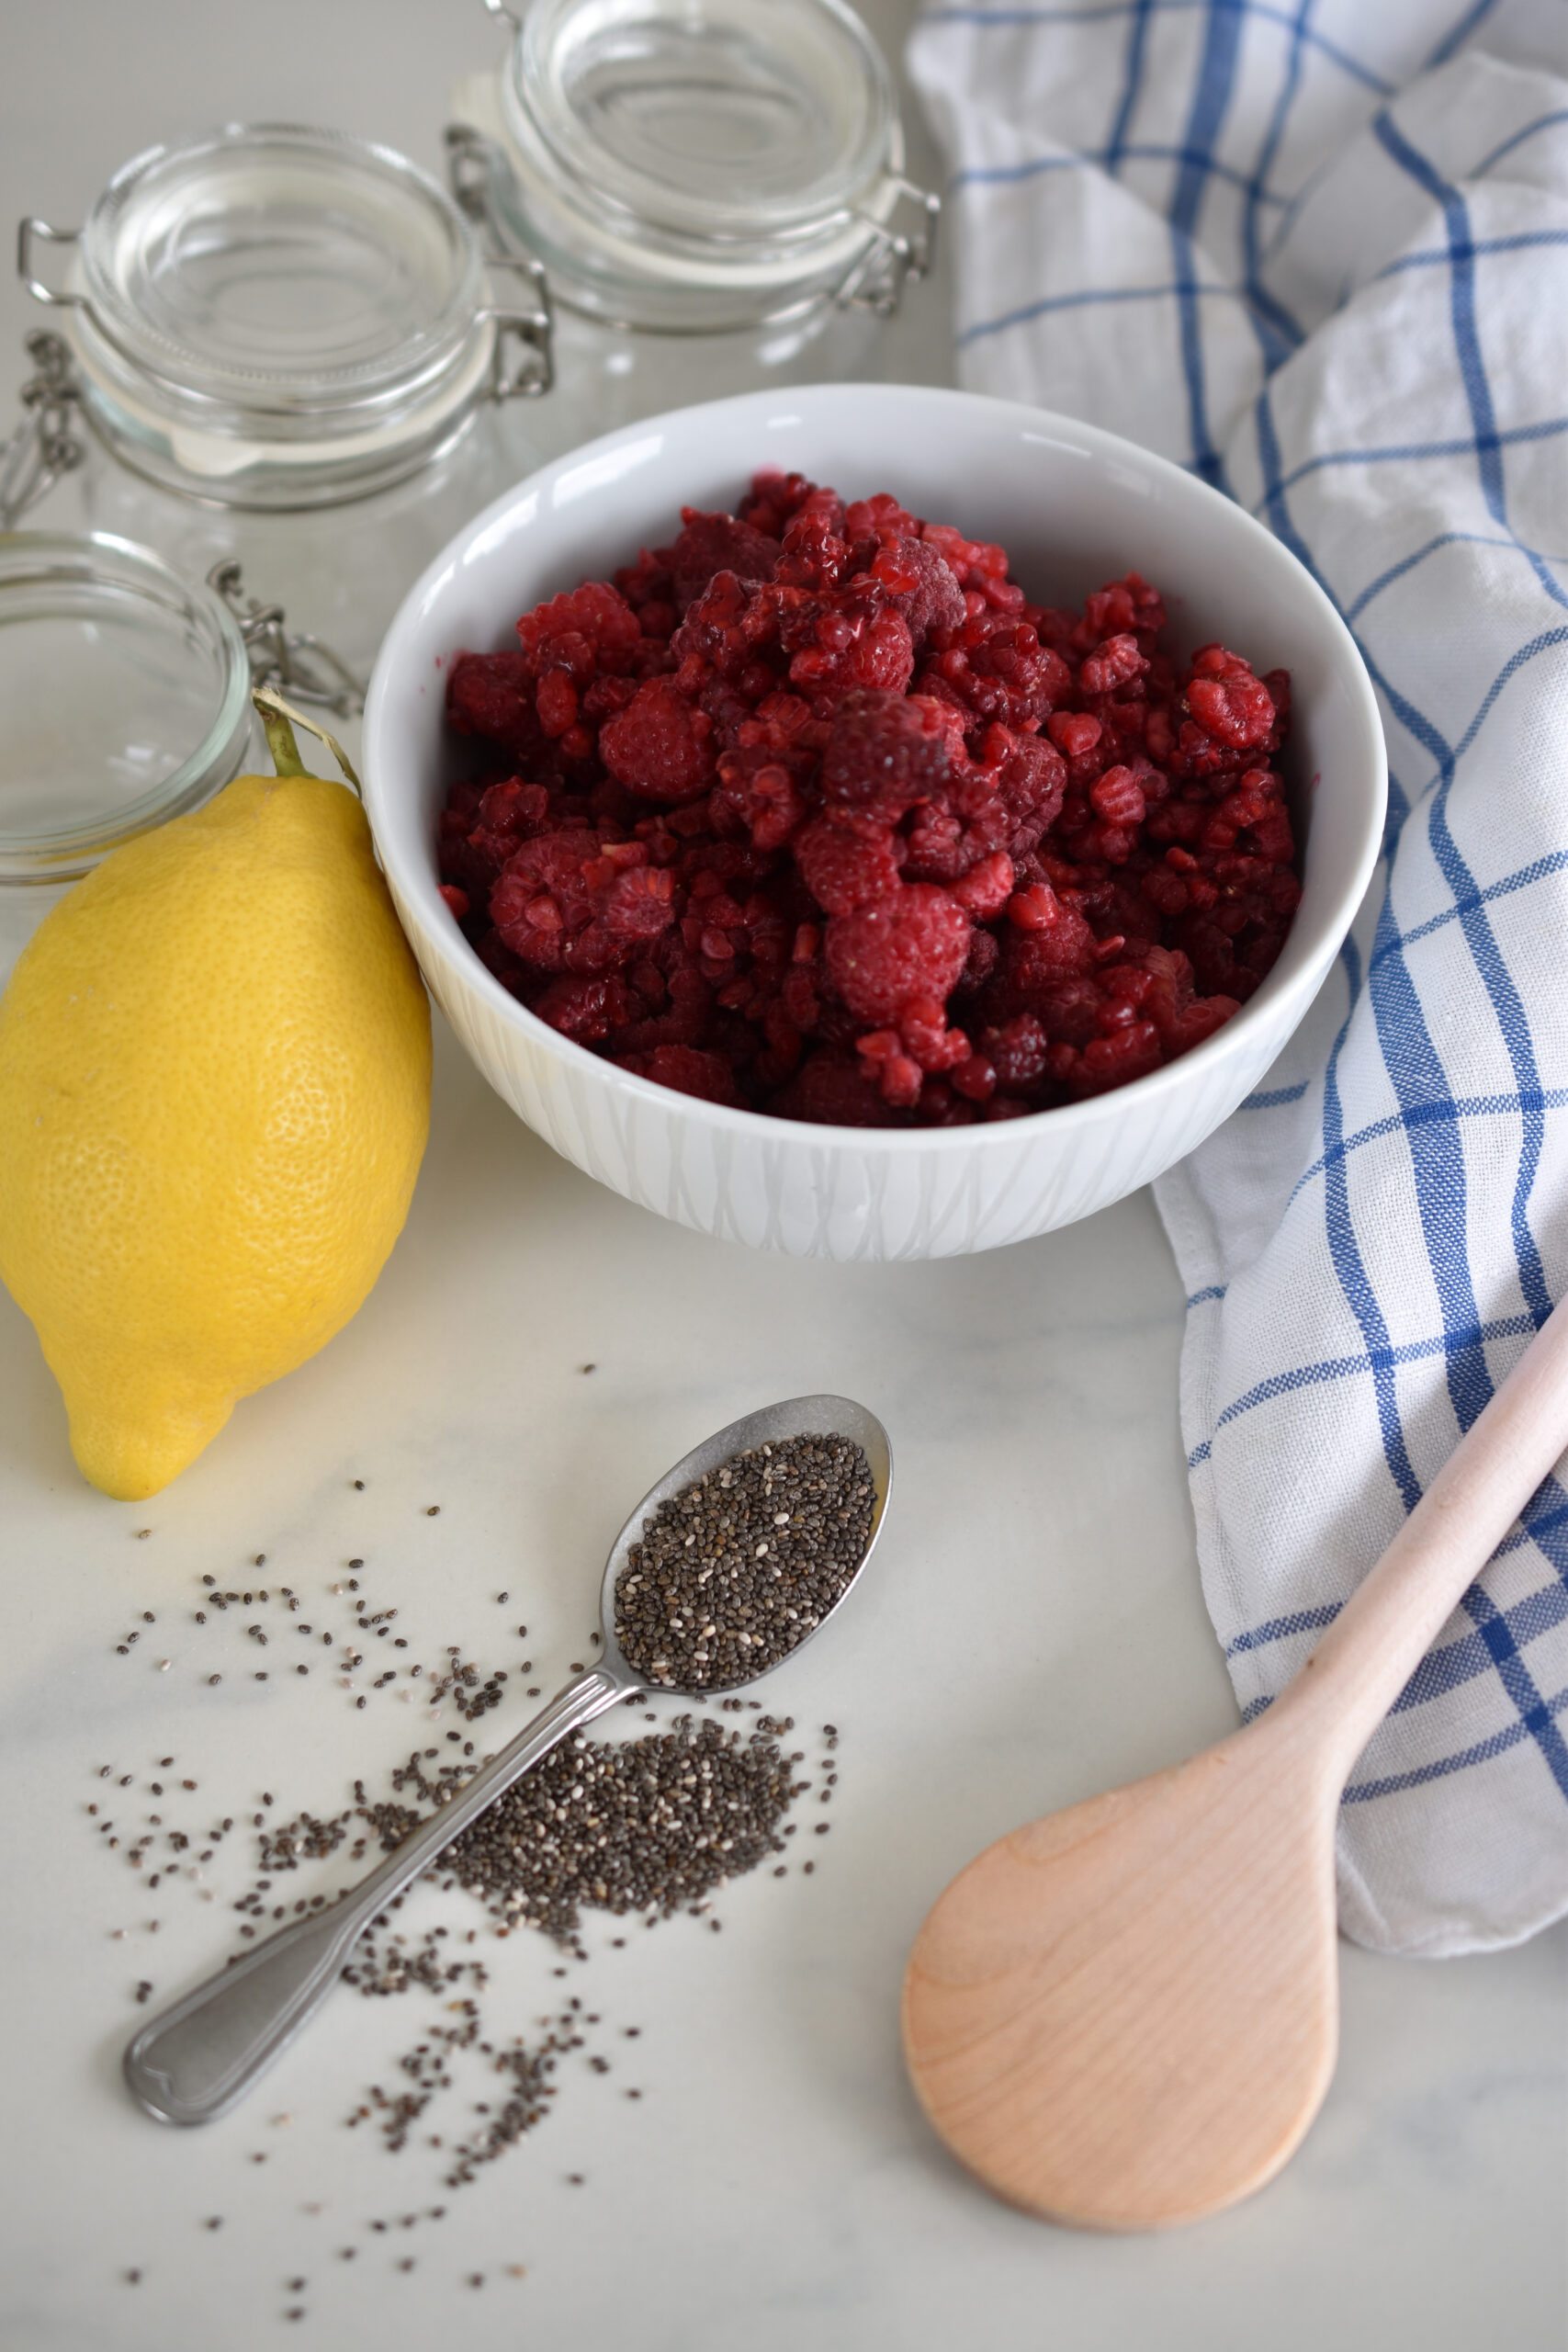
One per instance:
(214,1098)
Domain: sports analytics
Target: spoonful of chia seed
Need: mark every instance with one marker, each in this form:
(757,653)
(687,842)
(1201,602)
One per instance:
(739,1554)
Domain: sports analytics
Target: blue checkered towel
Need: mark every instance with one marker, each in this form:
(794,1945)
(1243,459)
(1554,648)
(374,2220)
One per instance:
(1319,254)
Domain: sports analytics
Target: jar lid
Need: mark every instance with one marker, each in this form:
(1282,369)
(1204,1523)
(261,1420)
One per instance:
(708,142)
(126,693)
(292,273)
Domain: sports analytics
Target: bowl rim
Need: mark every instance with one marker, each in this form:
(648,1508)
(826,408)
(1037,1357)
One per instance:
(1303,980)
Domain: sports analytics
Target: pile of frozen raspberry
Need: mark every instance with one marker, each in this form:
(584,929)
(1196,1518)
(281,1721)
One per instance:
(813,812)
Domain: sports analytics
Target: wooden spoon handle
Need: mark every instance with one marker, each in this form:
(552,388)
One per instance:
(1368,1654)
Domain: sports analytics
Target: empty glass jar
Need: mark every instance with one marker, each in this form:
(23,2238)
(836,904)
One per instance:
(127,695)
(291,351)
(715,190)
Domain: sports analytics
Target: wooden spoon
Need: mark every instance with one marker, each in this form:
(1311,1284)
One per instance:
(1125,2015)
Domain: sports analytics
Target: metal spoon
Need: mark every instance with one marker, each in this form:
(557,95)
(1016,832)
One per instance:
(199,2058)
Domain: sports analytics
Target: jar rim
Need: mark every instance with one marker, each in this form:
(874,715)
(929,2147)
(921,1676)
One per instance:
(116,583)
(279,282)
(707,138)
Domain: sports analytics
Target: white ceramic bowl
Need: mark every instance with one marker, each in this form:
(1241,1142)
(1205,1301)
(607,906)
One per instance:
(1075,507)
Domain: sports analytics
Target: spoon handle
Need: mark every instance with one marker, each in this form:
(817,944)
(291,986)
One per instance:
(198,2059)
(1364,1660)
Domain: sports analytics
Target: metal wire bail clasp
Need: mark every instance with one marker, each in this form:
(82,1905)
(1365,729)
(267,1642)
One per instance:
(471,165)
(893,260)
(45,444)
(27,230)
(293,660)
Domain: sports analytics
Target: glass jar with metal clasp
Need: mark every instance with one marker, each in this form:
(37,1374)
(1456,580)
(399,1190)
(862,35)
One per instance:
(715,189)
(127,695)
(290,354)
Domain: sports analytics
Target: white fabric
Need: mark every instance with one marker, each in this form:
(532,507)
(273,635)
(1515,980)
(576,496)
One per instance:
(1320,254)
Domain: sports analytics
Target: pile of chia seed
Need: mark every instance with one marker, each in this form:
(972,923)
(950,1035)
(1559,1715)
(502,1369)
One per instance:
(651,1826)
(734,1571)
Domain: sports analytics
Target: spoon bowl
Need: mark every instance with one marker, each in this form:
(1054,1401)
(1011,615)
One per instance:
(198,2059)
(1124,2015)
(774,1425)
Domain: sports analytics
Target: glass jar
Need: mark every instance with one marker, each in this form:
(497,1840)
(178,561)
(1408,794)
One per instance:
(290,352)
(715,190)
(127,695)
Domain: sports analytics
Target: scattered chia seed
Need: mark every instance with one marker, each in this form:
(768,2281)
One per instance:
(732,1573)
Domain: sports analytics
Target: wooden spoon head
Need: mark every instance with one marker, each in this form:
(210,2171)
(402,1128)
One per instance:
(1125,2015)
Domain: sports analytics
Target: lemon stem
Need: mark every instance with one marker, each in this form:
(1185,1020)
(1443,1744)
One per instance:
(280,742)
(280,718)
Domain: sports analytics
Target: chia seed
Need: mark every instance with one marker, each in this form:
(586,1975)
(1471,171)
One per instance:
(732,1573)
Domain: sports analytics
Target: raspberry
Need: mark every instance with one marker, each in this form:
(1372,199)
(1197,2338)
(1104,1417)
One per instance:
(1030,785)
(1016,1052)
(912,943)
(833,1090)
(596,615)
(585,1010)
(707,1076)
(886,752)
(846,864)
(1235,711)
(657,746)
(920,585)
(557,702)
(567,902)
(710,543)
(1128,605)
(1118,797)
(492,695)
(879,655)
(1117,663)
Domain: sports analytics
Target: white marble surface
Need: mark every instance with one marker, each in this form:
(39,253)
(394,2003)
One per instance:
(1033,1631)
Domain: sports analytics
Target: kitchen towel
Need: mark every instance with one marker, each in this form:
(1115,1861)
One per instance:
(1319,255)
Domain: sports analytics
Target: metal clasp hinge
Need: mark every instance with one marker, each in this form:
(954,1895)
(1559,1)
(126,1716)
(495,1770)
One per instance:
(470,161)
(27,230)
(45,444)
(293,660)
(893,260)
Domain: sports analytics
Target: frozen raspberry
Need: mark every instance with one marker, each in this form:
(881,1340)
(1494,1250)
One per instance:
(877,654)
(1017,1052)
(886,752)
(1115,664)
(729,627)
(570,902)
(847,863)
(1031,781)
(773,499)
(707,1076)
(986,888)
(492,695)
(834,1090)
(1235,711)
(1118,797)
(658,746)
(912,943)
(595,615)
(1126,606)
(585,1010)
(1106,1062)
(919,583)
(710,543)
(925,1037)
